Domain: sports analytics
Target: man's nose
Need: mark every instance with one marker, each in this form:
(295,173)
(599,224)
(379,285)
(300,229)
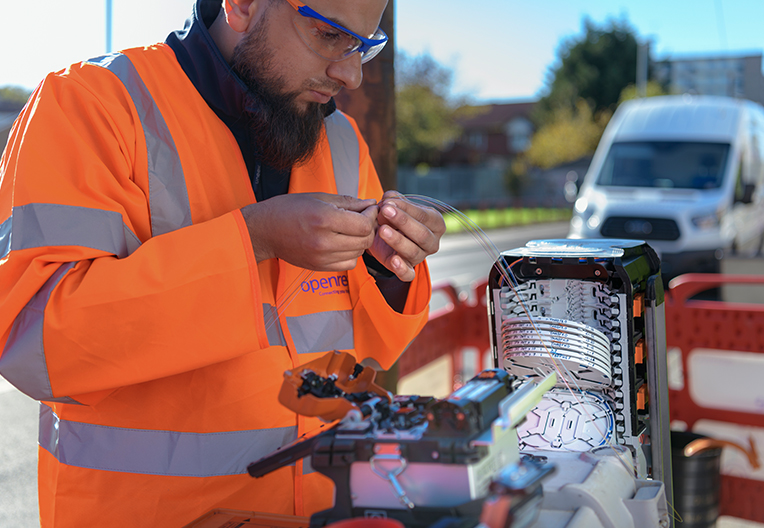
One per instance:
(347,72)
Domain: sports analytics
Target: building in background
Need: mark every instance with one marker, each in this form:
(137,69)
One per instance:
(492,135)
(733,76)
(473,170)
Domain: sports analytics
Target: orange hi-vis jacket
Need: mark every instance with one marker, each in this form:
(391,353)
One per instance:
(132,307)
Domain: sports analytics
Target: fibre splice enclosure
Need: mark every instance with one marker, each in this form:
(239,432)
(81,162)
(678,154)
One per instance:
(593,312)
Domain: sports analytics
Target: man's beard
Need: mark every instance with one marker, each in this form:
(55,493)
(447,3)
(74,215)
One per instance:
(283,134)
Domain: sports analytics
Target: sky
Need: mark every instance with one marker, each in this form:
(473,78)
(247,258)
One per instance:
(499,50)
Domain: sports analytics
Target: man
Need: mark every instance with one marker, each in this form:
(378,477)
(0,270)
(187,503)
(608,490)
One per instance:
(172,240)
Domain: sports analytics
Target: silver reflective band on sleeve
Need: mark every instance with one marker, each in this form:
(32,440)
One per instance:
(345,149)
(44,225)
(23,359)
(5,237)
(272,326)
(152,452)
(322,332)
(307,467)
(170,209)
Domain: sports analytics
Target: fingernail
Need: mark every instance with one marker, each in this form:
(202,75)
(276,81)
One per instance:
(389,211)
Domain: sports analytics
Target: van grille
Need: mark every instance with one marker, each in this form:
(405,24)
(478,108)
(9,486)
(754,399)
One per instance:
(640,228)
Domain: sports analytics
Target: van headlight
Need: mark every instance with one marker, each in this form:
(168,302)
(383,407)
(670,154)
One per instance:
(706,221)
(582,209)
(581,205)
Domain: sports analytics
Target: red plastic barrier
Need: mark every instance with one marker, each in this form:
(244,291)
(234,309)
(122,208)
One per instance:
(722,326)
(463,323)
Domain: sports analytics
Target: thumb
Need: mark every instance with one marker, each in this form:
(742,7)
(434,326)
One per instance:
(350,203)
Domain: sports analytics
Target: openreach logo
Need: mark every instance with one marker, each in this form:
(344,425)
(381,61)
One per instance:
(332,285)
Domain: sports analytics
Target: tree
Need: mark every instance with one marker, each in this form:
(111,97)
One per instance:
(569,135)
(595,73)
(13,96)
(425,110)
(652,89)
(595,67)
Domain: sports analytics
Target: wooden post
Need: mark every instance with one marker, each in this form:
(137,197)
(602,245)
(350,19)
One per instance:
(372,105)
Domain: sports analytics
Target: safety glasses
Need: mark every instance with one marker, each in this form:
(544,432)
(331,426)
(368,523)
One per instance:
(332,41)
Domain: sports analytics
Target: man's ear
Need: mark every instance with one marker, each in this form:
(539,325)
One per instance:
(239,13)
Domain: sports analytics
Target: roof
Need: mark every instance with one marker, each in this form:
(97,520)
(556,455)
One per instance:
(496,115)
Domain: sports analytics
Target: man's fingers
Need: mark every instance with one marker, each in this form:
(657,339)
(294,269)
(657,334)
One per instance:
(371,213)
(401,268)
(348,203)
(410,227)
(341,245)
(422,214)
(401,245)
(340,264)
(360,223)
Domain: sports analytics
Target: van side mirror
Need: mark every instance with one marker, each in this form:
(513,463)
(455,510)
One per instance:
(747,196)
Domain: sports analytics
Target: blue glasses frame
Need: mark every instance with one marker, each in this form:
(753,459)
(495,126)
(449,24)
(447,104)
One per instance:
(366,43)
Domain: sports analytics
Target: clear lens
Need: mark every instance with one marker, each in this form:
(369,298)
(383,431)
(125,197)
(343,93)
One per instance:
(326,40)
(332,43)
(374,50)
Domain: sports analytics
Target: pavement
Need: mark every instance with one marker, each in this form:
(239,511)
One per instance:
(18,458)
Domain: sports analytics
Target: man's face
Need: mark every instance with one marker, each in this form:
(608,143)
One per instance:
(284,132)
(289,84)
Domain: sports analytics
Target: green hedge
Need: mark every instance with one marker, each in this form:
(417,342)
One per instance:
(496,218)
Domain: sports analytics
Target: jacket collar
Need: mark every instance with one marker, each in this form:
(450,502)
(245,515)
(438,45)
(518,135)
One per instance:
(200,58)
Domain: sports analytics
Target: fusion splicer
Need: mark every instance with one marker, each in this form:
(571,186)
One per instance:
(419,460)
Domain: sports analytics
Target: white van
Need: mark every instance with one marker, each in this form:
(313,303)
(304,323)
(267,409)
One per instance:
(683,173)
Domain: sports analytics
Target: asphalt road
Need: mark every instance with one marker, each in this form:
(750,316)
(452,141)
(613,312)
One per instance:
(462,260)
(18,458)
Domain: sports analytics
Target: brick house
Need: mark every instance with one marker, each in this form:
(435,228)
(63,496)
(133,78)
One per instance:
(492,135)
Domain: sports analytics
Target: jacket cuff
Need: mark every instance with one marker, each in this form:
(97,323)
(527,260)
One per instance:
(254,279)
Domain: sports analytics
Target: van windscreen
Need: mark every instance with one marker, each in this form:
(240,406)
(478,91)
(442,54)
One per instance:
(666,164)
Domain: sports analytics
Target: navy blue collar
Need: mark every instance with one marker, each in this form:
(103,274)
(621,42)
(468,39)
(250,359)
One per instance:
(210,73)
(224,92)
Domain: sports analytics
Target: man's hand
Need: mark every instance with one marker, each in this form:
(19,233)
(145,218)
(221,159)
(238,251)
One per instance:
(315,231)
(407,234)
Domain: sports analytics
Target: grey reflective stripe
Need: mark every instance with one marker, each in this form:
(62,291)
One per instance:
(307,467)
(272,326)
(345,149)
(23,359)
(152,452)
(322,332)
(168,195)
(5,237)
(43,224)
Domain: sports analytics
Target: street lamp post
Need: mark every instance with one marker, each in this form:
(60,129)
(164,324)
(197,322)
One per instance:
(108,26)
